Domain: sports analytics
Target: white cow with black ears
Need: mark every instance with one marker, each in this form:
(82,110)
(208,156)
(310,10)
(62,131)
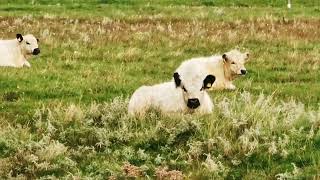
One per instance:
(225,68)
(184,94)
(15,52)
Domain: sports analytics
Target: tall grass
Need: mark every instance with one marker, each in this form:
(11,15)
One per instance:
(245,136)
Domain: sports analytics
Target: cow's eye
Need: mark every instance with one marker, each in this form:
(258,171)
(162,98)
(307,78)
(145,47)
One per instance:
(233,63)
(28,43)
(184,89)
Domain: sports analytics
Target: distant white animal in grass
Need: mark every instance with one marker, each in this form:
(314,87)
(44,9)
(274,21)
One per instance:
(289,4)
(184,94)
(15,52)
(224,67)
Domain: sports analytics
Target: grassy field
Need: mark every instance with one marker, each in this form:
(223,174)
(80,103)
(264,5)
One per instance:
(66,116)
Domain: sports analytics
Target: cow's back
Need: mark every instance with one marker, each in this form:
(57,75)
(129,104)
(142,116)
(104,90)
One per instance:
(9,52)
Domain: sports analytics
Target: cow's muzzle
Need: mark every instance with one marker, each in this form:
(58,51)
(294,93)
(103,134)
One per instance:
(193,103)
(243,72)
(36,51)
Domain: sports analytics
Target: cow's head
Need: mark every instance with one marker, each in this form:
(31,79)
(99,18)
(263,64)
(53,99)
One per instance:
(28,44)
(193,88)
(234,60)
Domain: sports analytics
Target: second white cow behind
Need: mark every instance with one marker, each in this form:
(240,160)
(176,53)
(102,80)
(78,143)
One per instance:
(15,52)
(184,94)
(224,67)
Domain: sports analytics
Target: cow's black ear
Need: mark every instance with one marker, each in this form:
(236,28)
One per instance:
(19,37)
(225,58)
(208,81)
(247,54)
(177,79)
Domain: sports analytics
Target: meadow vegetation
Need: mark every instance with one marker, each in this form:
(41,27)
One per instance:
(66,117)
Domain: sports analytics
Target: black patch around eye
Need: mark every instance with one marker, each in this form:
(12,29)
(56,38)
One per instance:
(184,89)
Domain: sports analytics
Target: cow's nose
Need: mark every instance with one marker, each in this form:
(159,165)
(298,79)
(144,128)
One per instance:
(193,103)
(243,71)
(36,51)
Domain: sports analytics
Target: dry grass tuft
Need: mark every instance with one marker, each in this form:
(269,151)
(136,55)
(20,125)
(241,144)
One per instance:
(131,170)
(163,173)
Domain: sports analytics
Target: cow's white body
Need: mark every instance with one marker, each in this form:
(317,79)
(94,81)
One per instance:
(10,54)
(165,97)
(213,65)
(222,69)
(15,54)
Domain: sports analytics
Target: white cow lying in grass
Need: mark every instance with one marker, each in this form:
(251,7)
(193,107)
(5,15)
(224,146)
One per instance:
(224,67)
(15,52)
(181,95)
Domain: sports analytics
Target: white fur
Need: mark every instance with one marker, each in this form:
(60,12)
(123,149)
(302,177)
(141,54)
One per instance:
(223,70)
(168,98)
(14,53)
